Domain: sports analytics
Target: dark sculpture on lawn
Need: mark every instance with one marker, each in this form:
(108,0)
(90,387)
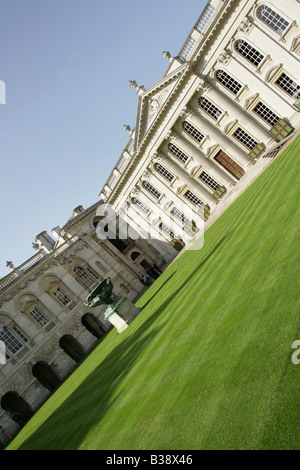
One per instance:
(102,294)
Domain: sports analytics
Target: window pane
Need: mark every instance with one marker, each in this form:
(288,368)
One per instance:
(210,108)
(289,86)
(193,198)
(62,296)
(85,276)
(227,81)
(265,113)
(10,340)
(166,229)
(178,153)
(209,181)
(192,131)
(179,215)
(151,189)
(249,52)
(245,138)
(164,172)
(39,316)
(272,19)
(139,205)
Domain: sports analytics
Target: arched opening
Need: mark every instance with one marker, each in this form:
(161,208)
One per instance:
(92,324)
(17,408)
(72,347)
(86,276)
(134,255)
(117,234)
(46,375)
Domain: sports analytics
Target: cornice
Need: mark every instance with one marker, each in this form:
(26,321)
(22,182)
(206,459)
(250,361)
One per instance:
(213,28)
(53,259)
(186,74)
(79,217)
(144,100)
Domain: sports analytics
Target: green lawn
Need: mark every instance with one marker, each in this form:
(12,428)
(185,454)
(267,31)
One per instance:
(207,363)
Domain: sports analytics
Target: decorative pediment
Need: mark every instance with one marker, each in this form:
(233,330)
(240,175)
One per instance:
(251,101)
(152,101)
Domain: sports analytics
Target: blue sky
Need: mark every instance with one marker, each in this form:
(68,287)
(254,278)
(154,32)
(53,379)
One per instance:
(67,65)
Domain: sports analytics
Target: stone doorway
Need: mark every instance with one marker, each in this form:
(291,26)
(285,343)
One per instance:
(46,375)
(17,408)
(92,324)
(72,347)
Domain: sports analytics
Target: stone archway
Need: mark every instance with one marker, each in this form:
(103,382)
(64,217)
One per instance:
(46,375)
(72,347)
(17,408)
(92,324)
(134,255)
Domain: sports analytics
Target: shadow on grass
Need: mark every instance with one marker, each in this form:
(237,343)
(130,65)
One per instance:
(160,287)
(69,424)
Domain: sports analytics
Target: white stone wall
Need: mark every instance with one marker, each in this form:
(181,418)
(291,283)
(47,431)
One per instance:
(34,288)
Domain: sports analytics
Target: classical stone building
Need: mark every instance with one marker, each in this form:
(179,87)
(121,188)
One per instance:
(45,326)
(225,106)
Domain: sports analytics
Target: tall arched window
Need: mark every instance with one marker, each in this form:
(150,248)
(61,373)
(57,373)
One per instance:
(192,131)
(244,138)
(193,198)
(134,255)
(288,85)
(140,206)
(209,108)
(86,276)
(178,214)
(166,229)
(272,19)
(164,172)
(209,181)
(249,52)
(151,189)
(13,338)
(39,316)
(178,153)
(265,113)
(228,82)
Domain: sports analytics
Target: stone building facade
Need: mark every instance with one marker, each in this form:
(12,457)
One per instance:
(225,105)
(224,108)
(45,326)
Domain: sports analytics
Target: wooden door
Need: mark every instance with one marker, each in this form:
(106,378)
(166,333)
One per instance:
(229,164)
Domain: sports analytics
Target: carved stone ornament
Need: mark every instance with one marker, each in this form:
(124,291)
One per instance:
(167,55)
(147,173)
(127,128)
(171,135)
(158,156)
(224,57)
(135,191)
(295,46)
(187,112)
(133,84)
(203,85)
(246,25)
(155,104)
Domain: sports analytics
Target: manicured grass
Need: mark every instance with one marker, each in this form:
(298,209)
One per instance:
(207,363)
